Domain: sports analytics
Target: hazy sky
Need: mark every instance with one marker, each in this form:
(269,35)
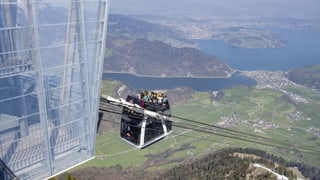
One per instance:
(219,7)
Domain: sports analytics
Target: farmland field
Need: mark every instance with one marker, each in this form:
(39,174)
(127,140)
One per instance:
(292,128)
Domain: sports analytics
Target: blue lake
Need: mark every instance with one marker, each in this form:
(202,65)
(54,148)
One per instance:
(198,84)
(303,48)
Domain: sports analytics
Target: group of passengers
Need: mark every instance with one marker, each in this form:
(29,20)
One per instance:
(153,97)
(153,101)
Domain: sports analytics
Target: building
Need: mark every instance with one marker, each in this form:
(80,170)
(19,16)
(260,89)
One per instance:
(51,58)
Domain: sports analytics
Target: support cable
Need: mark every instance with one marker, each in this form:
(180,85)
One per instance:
(239,136)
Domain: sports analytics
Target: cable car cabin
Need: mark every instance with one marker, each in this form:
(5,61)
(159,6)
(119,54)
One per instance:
(140,129)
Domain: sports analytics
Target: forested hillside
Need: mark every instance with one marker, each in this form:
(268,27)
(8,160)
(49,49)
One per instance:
(231,163)
(142,48)
(155,58)
(237,163)
(308,76)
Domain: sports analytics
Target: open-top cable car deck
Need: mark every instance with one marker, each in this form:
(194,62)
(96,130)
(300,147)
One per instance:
(144,119)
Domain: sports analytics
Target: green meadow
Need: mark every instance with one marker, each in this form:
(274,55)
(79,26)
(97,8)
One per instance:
(266,113)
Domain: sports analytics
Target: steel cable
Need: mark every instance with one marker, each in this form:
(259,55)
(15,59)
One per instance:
(233,134)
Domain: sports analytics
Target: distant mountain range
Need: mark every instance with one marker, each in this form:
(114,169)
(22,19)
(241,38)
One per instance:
(141,48)
(307,76)
(121,26)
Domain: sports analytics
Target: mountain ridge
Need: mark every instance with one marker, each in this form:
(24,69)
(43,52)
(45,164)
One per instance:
(155,58)
(128,50)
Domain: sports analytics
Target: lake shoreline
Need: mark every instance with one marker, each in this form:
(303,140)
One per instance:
(197,84)
(193,77)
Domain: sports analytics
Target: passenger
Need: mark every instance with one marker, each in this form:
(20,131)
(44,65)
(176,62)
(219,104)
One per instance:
(159,94)
(150,96)
(142,104)
(145,95)
(160,98)
(165,99)
(155,97)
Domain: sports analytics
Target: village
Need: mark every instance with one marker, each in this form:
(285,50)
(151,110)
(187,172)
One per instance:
(275,80)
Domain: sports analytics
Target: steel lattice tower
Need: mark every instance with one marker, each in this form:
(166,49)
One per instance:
(51,59)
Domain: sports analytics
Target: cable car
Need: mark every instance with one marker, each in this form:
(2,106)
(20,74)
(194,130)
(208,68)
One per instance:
(142,128)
